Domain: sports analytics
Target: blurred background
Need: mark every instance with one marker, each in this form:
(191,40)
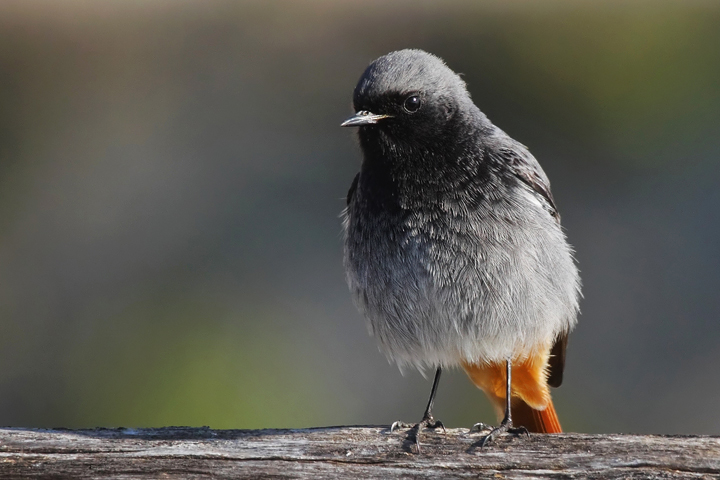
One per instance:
(172,174)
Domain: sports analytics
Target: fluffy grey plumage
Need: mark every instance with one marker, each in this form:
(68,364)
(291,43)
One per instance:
(453,246)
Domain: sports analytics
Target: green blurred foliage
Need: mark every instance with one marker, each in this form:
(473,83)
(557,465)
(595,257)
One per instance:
(186,361)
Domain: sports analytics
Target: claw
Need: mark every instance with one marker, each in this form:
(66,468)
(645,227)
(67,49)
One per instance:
(479,427)
(399,424)
(436,424)
(504,427)
(414,433)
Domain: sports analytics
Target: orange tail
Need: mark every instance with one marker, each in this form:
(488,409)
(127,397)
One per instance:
(529,389)
(537,421)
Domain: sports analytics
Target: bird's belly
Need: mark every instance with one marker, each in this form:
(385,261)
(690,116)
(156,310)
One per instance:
(438,295)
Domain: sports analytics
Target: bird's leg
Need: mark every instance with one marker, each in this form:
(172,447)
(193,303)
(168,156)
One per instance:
(428,421)
(506,425)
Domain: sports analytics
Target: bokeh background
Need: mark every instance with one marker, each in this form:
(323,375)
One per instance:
(172,172)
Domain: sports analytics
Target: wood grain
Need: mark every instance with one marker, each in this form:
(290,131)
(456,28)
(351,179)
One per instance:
(346,453)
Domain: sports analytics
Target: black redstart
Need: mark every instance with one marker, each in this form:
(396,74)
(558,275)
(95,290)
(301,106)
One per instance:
(453,246)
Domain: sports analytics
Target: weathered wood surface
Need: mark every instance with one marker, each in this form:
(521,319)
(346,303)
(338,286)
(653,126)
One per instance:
(346,452)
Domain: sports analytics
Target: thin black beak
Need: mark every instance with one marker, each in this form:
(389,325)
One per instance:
(363,117)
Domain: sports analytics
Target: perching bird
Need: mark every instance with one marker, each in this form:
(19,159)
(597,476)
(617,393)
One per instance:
(453,246)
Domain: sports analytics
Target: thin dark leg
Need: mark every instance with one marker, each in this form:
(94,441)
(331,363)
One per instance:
(508,393)
(428,411)
(428,421)
(506,425)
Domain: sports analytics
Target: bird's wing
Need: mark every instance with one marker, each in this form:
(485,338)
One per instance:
(353,187)
(556,363)
(527,169)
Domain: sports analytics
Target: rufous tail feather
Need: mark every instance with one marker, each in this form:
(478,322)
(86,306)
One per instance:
(537,421)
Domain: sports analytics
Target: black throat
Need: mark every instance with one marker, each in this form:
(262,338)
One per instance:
(421,172)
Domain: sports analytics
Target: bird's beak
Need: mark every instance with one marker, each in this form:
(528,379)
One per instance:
(363,117)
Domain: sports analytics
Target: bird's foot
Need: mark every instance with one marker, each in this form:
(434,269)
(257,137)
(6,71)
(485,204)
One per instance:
(505,427)
(413,436)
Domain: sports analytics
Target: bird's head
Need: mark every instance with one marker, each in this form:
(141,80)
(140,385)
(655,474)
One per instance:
(408,97)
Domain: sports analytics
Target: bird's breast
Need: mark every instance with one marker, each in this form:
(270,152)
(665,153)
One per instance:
(452,280)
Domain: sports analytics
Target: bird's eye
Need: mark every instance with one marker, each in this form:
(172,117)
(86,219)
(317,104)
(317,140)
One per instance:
(412,103)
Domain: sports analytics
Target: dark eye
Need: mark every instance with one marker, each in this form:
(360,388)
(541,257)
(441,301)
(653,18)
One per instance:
(412,103)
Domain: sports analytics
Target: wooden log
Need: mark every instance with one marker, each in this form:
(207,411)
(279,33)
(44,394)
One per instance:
(347,453)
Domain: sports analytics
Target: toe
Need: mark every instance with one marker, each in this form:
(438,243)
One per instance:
(479,427)
(399,424)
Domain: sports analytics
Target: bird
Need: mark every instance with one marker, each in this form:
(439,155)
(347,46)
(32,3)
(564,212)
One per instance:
(453,248)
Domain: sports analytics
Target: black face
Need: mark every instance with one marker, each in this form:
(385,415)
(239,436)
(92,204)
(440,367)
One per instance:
(398,105)
(414,125)
(409,102)
(411,117)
